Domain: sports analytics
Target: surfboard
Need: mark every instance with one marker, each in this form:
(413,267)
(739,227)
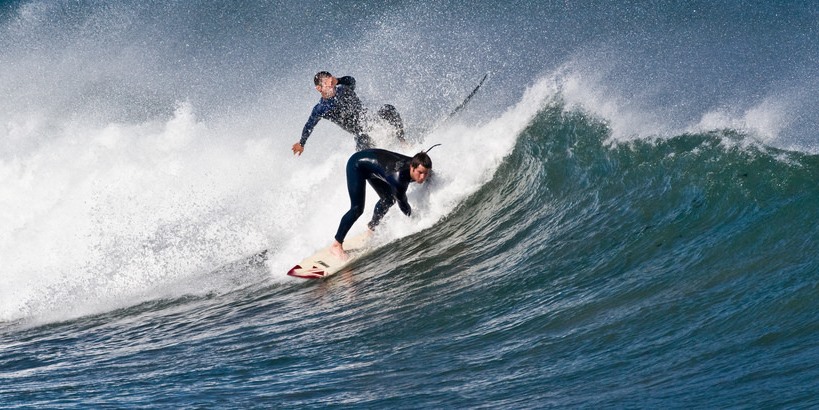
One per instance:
(468,97)
(459,108)
(323,263)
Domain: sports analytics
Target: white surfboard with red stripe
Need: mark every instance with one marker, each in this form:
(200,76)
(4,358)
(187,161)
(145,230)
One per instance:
(323,264)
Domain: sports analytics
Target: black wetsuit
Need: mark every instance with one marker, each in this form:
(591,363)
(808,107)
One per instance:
(389,175)
(346,111)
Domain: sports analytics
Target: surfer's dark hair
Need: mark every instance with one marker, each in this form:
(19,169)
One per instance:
(421,158)
(320,76)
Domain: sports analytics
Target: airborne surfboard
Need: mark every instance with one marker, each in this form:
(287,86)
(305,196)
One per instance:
(457,109)
(323,263)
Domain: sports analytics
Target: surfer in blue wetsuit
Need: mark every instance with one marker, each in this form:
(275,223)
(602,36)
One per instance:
(389,174)
(340,104)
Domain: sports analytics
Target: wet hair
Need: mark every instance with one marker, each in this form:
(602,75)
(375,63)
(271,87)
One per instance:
(320,76)
(421,158)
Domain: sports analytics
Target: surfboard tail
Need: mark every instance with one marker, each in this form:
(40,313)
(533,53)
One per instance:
(307,273)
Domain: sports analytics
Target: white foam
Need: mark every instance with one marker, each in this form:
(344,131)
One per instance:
(765,120)
(98,216)
(636,110)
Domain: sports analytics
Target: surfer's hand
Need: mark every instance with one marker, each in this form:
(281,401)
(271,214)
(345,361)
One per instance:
(297,149)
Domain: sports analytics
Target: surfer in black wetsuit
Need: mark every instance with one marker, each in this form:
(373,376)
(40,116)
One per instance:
(341,105)
(389,174)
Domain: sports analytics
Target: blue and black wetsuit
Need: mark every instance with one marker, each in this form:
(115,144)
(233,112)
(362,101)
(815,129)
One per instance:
(346,111)
(389,175)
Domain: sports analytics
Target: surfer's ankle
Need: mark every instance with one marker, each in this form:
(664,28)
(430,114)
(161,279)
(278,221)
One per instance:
(338,250)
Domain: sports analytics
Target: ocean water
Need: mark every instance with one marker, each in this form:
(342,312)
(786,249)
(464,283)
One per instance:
(624,216)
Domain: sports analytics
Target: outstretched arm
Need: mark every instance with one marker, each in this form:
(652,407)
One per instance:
(315,116)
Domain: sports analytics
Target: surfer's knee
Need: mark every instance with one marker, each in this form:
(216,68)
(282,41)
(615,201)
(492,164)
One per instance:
(386,203)
(390,114)
(356,211)
(381,208)
(362,142)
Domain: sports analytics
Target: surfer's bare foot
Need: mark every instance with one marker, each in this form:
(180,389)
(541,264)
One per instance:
(338,251)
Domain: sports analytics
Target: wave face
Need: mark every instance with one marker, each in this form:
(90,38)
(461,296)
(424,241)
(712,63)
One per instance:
(657,272)
(624,216)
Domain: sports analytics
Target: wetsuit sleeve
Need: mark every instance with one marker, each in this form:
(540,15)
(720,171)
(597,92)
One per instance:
(315,116)
(403,204)
(348,81)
